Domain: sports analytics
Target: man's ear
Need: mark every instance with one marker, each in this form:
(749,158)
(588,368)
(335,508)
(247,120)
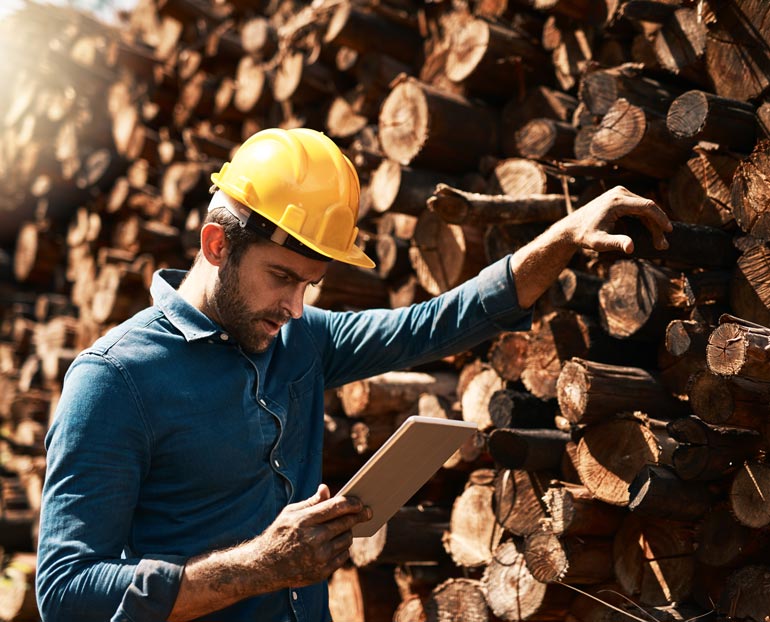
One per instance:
(213,243)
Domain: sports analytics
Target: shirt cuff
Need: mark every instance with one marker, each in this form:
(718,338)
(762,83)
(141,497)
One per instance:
(153,590)
(497,292)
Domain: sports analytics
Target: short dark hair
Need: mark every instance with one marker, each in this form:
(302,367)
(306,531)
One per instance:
(239,238)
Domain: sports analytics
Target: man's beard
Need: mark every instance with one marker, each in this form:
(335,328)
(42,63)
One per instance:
(241,324)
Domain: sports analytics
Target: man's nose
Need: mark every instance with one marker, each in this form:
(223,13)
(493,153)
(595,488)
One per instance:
(294,302)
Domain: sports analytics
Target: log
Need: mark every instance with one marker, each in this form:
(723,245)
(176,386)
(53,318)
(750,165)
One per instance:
(346,287)
(457,600)
(527,449)
(683,354)
(609,456)
(654,560)
(517,501)
(366,31)
(445,255)
(474,531)
(658,492)
(119,293)
(514,594)
(456,206)
(635,140)
(38,253)
(539,101)
(362,594)
(719,401)
(507,356)
(546,139)
(641,299)
(570,560)
(577,291)
(680,45)
(600,90)
(745,593)
(730,123)
(490,59)
(418,127)
(749,196)
(750,495)
(699,192)
(573,511)
(392,392)
(520,178)
(413,534)
(750,289)
(739,350)
(476,396)
(402,189)
(737,60)
(724,542)
(519,409)
(590,392)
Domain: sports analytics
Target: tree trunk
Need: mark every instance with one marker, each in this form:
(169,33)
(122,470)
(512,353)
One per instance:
(570,560)
(574,511)
(750,197)
(750,290)
(457,600)
(719,401)
(531,450)
(402,189)
(657,492)
(750,495)
(519,409)
(740,350)
(518,500)
(507,356)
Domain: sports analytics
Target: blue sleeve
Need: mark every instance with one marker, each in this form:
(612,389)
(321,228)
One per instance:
(362,344)
(98,452)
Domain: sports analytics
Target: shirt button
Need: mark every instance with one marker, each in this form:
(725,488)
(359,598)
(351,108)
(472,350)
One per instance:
(276,463)
(294,595)
(262,402)
(224,336)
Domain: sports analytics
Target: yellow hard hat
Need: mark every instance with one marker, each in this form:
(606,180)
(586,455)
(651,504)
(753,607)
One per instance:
(301,182)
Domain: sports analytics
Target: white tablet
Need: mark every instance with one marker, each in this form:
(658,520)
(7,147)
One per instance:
(402,465)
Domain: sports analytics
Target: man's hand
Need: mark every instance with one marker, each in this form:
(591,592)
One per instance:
(305,544)
(592,225)
(309,540)
(537,265)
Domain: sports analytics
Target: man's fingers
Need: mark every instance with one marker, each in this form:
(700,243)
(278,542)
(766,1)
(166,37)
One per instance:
(322,494)
(602,241)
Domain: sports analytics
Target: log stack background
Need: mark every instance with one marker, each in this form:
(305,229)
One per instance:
(621,468)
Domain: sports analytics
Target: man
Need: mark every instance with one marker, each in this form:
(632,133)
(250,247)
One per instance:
(184,462)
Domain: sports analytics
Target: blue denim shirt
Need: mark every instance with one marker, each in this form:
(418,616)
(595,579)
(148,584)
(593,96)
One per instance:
(170,441)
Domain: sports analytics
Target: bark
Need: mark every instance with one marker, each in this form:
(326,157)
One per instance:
(719,401)
(346,287)
(459,207)
(392,392)
(730,123)
(519,409)
(577,291)
(527,449)
(413,534)
(750,289)
(590,392)
(402,189)
(573,511)
(658,492)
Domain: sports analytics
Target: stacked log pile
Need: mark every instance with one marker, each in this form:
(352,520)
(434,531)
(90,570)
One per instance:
(620,465)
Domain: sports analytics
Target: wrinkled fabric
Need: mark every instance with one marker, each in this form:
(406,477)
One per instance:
(170,441)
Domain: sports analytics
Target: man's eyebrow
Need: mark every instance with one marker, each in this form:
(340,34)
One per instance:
(294,275)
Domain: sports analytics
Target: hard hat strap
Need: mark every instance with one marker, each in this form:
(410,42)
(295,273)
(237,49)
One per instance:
(262,226)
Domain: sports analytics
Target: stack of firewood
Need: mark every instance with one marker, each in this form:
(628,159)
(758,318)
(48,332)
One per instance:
(619,467)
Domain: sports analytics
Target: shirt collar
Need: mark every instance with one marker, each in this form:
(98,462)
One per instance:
(187,319)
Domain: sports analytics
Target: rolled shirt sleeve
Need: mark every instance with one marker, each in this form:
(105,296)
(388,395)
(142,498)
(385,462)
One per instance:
(98,453)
